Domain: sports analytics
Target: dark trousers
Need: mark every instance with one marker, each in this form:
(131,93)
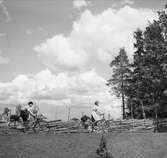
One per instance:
(93,120)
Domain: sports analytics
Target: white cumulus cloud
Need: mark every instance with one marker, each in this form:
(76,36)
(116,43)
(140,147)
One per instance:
(94,38)
(59,52)
(110,30)
(80,3)
(80,89)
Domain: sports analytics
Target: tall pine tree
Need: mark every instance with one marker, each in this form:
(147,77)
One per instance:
(120,73)
(136,89)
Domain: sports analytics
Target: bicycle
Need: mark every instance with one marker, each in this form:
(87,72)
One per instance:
(36,124)
(39,124)
(102,125)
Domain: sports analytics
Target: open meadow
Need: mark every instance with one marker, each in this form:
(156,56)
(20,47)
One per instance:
(121,145)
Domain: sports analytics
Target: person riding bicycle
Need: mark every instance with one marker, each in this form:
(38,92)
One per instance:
(96,114)
(32,110)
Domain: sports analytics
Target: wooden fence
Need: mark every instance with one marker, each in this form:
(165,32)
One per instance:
(131,125)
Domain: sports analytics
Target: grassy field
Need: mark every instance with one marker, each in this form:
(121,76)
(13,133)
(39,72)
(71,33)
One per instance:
(121,145)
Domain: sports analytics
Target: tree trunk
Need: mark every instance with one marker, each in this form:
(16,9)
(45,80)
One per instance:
(123,102)
(122,89)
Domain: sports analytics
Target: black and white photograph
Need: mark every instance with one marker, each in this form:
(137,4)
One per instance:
(83,79)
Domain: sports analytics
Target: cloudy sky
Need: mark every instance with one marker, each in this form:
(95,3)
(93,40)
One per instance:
(57,52)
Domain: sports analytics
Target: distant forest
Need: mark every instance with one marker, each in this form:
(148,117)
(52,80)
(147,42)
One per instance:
(142,83)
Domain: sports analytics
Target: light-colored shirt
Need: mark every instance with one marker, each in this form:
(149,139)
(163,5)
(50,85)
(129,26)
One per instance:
(97,113)
(33,110)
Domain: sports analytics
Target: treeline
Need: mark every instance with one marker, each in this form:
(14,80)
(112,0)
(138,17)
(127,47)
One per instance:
(142,83)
